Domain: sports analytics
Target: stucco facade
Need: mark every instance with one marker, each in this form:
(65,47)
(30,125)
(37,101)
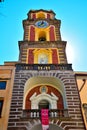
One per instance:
(7,72)
(81,78)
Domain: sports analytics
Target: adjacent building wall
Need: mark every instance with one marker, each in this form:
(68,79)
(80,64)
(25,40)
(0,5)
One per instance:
(6,74)
(81,78)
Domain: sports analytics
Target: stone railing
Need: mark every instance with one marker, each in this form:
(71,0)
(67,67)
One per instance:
(53,113)
(40,67)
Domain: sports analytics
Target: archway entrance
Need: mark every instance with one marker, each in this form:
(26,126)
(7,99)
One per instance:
(44,104)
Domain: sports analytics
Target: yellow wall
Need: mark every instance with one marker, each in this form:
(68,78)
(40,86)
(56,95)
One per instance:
(6,74)
(81,78)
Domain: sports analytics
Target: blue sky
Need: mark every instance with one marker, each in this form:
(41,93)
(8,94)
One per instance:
(73,16)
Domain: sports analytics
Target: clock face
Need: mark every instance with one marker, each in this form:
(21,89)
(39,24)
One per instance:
(41,24)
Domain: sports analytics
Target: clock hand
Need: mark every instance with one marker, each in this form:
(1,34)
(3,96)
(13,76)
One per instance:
(42,23)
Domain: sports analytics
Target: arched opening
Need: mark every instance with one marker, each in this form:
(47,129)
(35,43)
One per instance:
(42,36)
(44,104)
(32,97)
(41,15)
(42,58)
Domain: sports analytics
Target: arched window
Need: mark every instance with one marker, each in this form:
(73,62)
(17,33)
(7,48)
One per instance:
(42,36)
(41,15)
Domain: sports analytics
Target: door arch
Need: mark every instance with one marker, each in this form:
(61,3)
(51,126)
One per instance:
(31,96)
(44,104)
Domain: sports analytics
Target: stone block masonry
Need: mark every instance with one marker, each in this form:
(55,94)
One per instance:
(74,121)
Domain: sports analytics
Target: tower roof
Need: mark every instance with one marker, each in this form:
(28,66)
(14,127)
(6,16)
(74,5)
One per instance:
(35,11)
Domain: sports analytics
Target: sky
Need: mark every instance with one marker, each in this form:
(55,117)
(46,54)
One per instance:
(73,16)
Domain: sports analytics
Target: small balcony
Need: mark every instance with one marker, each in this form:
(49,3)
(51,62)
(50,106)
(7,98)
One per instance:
(53,113)
(41,67)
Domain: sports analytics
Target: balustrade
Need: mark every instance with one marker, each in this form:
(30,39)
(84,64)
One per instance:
(53,113)
(40,67)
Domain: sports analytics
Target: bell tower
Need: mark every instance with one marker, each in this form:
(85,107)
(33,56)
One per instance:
(42,42)
(43,78)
